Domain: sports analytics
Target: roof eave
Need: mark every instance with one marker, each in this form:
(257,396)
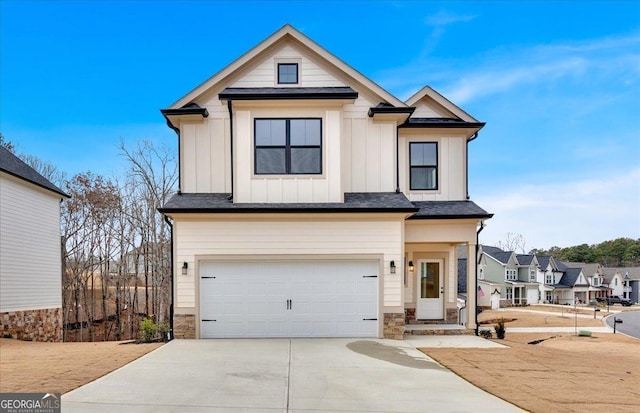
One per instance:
(22,178)
(453,216)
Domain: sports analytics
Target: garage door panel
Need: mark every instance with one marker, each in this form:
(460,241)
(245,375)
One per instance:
(327,299)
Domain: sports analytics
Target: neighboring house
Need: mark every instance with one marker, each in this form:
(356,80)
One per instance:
(502,270)
(594,273)
(623,281)
(30,252)
(313,203)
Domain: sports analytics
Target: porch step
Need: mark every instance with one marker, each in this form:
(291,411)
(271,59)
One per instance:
(437,330)
(426,322)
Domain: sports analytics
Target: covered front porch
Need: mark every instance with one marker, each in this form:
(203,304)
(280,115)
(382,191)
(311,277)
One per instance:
(557,294)
(437,298)
(520,293)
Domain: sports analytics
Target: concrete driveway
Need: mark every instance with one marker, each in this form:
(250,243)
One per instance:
(284,375)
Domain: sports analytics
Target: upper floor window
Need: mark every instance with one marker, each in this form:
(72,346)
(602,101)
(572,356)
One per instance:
(596,281)
(424,165)
(511,274)
(532,275)
(288,146)
(481,273)
(287,73)
(548,278)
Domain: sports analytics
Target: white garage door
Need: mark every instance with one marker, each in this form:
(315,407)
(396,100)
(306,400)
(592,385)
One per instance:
(289,299)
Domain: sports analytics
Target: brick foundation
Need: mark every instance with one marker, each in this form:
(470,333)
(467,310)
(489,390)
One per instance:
(32,325)
(393,326)
(184,326)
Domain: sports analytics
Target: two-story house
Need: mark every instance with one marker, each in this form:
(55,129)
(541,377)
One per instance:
(30,252)
(509,273)
(314,203)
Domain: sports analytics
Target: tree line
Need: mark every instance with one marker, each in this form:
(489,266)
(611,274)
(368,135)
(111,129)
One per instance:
(620,252)
(115,245)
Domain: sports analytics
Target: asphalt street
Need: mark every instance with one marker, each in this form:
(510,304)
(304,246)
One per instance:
(630,323)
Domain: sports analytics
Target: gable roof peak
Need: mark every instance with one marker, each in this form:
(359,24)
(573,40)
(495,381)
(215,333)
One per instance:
(428,91)
(287,32)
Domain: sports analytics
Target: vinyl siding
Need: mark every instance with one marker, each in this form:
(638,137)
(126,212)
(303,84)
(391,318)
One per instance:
(30,255)
(308,237)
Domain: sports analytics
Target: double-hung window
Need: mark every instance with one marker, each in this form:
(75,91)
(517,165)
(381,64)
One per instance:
(511,274)
(548,278)
(288,146)
(423,158)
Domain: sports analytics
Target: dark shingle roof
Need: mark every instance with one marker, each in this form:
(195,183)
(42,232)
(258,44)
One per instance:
(462,275)
(13,165)
(449,210)
(543,261)
(503,257)
(440,123)
(353,202)
(570,276)
(524,259)
(274,93)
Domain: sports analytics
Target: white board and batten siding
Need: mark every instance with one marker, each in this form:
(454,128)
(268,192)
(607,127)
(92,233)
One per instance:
(30,254)
(317,239)
(451,165)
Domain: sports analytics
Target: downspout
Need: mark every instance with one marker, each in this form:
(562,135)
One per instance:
(466,163)
(230,107)
(168,221)
(460,311)
(475,289)
(397,162)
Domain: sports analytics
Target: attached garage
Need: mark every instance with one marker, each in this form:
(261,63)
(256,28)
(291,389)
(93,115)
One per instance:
(318,298)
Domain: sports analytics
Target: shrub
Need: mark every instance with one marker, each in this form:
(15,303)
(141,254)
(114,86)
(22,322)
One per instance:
(486,333)
(163,330)
(500,329)
(149,329)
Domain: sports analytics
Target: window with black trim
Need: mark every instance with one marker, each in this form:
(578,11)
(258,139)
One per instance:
(423,165)
(288,146)
(287,73)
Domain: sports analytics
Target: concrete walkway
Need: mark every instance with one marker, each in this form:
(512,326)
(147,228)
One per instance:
(288,375)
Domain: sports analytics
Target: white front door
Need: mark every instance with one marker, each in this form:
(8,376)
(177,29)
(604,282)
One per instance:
(430,301)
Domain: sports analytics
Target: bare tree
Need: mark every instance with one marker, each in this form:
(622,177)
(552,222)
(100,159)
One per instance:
(153,174)
(513,242)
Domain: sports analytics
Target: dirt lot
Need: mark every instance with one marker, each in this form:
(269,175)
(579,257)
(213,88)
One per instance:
(563,373)
(526,318)
(61,367)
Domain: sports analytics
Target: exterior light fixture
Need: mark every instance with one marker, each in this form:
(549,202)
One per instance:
(392,267)
(185,268)
(411,268)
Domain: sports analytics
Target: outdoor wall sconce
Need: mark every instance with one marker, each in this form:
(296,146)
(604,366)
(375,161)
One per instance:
(185,268)
(411,266)
(392,267)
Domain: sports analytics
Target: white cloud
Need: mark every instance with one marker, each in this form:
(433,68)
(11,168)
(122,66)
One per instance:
(444,18)
(564,214)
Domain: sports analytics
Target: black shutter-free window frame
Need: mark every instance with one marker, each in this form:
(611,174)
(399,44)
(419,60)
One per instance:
(287,147)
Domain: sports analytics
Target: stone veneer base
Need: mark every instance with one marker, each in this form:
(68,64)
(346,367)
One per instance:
(32,325)
(184,326)
(393,326)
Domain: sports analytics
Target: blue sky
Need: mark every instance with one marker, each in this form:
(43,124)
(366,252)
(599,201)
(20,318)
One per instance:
(558,84)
